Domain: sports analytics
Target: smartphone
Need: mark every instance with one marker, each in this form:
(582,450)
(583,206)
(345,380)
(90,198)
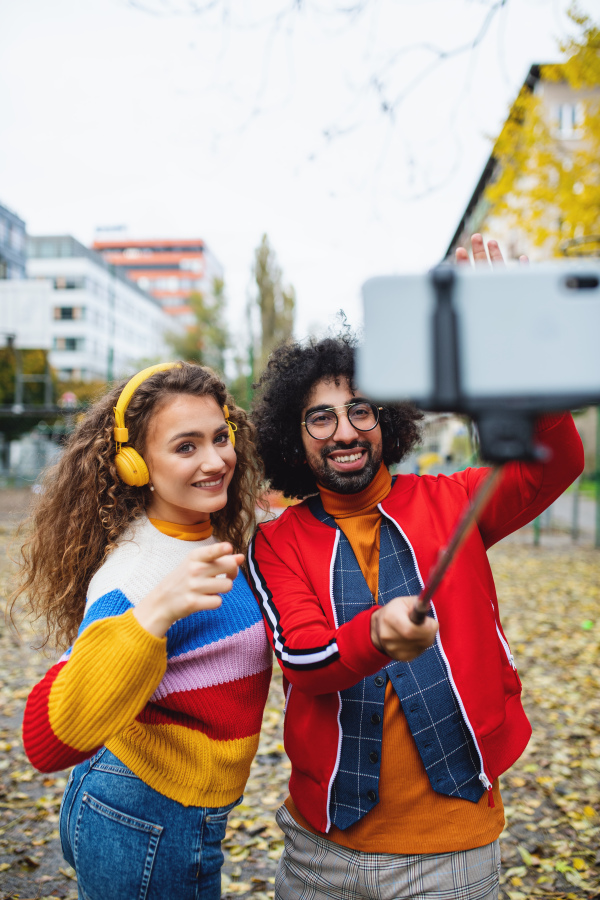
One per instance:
(527,336)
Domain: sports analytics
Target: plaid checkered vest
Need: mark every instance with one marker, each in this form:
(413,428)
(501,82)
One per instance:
(443,739)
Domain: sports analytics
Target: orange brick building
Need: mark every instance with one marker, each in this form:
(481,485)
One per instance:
(168,269)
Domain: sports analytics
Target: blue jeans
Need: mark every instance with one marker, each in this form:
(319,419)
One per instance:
(128,842)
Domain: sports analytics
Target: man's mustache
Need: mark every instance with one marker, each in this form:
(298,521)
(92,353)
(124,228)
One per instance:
(353,445)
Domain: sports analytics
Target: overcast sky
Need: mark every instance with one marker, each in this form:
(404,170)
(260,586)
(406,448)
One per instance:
(342,136)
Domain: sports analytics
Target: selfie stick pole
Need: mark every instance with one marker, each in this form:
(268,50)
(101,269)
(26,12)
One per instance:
(421,608)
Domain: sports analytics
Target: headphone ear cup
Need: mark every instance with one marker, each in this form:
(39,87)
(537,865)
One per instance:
(131,468)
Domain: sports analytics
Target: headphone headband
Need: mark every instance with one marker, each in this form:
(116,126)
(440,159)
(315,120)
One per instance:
(120,432)
(131,468)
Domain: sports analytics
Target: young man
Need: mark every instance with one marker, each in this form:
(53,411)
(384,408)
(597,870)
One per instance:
(396,733)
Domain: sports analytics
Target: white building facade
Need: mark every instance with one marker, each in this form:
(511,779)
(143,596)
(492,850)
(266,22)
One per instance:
(98,324)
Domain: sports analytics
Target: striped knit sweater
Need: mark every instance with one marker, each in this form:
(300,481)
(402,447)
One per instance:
(183,712)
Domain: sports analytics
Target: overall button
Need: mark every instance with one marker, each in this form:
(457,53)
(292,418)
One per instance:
(379,680)
(375,719)
(372,796)
(374,756)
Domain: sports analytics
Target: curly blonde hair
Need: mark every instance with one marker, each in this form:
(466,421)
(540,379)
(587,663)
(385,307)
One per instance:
(84,507)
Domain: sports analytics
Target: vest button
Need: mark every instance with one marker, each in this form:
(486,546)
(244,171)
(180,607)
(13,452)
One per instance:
(374,756)
(372,796)
(375,718)
(379,680)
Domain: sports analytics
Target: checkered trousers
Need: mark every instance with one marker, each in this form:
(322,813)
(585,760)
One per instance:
(423,687)
(314,868)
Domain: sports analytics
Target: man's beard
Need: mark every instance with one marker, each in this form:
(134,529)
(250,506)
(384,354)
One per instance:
(347,482)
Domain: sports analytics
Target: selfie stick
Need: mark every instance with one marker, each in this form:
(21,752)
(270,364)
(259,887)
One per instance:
(448,393)
(422,606)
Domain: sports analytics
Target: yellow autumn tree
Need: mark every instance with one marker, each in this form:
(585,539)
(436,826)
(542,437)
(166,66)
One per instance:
(546,184)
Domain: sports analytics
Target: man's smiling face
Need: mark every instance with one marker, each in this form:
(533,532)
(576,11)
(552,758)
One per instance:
(347,461)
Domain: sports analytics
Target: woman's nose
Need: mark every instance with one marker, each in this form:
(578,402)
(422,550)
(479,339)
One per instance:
(211,461)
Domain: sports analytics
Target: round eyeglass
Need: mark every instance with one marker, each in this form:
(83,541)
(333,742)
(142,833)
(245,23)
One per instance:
(322,423)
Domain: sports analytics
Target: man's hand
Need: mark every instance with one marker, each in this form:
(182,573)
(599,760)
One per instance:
(480,255)
(393,633)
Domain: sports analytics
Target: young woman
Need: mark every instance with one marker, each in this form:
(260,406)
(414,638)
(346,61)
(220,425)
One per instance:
(134,559)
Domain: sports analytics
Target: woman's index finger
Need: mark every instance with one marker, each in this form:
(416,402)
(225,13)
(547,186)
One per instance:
(212,552)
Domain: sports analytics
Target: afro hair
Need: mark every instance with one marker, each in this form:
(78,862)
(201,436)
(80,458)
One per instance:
(283,389)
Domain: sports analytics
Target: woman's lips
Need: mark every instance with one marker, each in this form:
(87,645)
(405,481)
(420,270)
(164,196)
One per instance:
(213,485)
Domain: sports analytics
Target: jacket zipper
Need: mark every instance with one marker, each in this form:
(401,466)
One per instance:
(482,776)
(339,712)
(509,655)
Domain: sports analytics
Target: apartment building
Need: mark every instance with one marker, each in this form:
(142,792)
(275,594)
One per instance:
(97,324)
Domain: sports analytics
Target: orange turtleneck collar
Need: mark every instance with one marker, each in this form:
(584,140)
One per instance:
(198,532)
(343,506)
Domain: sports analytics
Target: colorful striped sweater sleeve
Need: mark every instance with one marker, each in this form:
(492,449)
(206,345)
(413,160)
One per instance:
(183,712)
(75,709)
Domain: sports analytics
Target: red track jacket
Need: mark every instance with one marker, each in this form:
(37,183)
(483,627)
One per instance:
(291,562)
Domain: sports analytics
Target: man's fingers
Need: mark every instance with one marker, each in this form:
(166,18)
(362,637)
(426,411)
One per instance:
(495,253)
(393,632)
(481,255)
(478,246)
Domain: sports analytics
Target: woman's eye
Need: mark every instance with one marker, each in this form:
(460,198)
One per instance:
(222,438)
(185,448)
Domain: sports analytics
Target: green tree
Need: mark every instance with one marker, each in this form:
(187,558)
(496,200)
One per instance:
(547,185)
(276,303)
(33,362)
(206,339)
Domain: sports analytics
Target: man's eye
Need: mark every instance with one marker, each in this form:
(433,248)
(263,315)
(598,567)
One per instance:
(320,419)
(360,412)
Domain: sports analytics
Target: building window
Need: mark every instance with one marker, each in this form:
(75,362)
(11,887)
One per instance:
(69,343)
(69,312)
(191,265)
(570,119)
(17,238)
(69,284)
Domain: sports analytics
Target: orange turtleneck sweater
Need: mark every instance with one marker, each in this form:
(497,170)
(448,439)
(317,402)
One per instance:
(410,816)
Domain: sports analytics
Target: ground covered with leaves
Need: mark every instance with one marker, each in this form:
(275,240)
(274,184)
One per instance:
(550,597)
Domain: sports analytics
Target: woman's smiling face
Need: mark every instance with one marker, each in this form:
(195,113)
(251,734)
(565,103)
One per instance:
(190,458)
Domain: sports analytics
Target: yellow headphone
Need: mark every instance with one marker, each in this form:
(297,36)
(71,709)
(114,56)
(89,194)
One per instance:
(131,468)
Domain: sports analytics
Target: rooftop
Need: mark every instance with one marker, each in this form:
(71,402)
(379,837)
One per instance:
(64,246)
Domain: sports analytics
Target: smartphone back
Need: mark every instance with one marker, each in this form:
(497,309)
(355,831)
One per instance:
(528,335)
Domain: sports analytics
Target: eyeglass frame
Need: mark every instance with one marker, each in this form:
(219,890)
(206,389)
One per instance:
(347,406)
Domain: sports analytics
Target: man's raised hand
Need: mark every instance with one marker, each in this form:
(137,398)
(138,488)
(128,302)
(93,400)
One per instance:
(480,255)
